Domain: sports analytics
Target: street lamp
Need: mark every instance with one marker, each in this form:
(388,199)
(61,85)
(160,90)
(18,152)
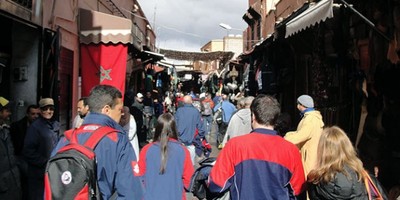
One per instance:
(225,26)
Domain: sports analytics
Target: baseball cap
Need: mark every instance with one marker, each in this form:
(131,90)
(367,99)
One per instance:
(46,102)
(139,95)
(3,101)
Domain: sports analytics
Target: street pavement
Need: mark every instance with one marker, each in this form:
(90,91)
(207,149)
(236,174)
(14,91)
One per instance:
(211,138)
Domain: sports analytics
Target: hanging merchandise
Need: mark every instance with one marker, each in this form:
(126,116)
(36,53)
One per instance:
(148,83)
(159,81)
(259,79)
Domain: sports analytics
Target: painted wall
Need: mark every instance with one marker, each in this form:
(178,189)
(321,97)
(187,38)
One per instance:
(25,54)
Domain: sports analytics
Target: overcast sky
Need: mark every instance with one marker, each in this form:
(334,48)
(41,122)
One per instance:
(187,25)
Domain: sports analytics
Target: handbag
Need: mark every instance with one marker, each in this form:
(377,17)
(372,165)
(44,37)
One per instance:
(374,189)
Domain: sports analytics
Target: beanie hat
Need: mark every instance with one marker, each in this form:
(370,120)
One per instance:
(306,101)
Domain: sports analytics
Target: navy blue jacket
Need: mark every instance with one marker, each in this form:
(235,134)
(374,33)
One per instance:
(41,137)
(116,160)
(188,119)
(179,170)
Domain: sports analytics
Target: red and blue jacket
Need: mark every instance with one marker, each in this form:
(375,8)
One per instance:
(177,175)
(116,159)
(258,165)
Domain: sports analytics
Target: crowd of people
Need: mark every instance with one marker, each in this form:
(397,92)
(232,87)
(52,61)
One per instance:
(155,147)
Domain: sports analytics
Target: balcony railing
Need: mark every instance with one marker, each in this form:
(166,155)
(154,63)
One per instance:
(24,3)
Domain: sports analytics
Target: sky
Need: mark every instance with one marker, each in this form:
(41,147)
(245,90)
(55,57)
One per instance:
(187,25)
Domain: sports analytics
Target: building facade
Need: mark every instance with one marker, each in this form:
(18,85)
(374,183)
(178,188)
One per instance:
(40,48)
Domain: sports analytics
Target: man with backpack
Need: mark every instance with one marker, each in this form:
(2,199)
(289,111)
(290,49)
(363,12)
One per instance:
(114,158)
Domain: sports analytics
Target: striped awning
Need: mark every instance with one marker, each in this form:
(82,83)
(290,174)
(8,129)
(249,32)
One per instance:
(315,13)
(97,27)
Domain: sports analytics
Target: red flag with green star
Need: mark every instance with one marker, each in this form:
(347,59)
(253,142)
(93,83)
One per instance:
(103,64)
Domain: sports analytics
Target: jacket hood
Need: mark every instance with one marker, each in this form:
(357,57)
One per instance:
(314,113)
(244,114)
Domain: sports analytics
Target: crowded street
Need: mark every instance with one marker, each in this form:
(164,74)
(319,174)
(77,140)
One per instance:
(186,99)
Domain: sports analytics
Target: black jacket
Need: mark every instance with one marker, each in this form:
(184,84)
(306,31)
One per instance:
(10,187)
(340,188)
(18,133)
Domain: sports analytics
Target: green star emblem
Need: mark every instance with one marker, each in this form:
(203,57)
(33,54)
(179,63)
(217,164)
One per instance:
(105,74)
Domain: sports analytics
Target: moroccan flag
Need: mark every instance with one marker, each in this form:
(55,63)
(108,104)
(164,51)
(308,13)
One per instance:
(103,64)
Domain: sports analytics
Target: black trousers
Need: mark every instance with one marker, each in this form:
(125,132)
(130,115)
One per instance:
(142,136)
(221,132)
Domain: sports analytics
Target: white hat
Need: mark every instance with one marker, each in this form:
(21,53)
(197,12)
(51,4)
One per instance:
(139,95)
(202,95)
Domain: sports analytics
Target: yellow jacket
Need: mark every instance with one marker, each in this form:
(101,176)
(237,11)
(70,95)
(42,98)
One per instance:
(306,138)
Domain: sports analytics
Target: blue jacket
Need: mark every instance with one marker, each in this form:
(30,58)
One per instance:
(188,119)
(179,170)
(259,165)
(115,160)
(228,110)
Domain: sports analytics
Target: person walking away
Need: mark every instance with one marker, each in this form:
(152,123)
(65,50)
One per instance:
(308,132)
(83,109)
(165,164)
(41,138)
(261,164)
(115,158)
(240,122)
(148,113)
(339,172)
(137,111)
(227,111)
(129,125)
(188,119)
(10,185)
(207,113)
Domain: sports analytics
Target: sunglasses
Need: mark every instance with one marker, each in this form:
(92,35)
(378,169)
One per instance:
(51,108)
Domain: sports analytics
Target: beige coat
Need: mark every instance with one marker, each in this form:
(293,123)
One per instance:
(306,138)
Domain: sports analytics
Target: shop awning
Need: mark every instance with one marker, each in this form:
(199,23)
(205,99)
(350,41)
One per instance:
(315,13)
(150,57)
(97,27)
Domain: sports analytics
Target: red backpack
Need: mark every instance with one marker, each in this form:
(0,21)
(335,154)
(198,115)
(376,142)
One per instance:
(71,173)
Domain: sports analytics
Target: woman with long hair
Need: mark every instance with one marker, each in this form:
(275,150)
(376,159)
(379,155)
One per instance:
(165,164)
(339,172)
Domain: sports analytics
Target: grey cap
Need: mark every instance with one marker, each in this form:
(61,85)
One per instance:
(306,101)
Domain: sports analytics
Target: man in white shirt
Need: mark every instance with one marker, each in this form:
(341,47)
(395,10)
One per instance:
(128,123)
(83,110)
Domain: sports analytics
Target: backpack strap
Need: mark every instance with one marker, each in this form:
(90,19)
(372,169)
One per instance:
(68,134)
(97,135)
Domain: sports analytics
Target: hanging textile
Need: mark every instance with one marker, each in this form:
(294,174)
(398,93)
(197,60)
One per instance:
(103,64)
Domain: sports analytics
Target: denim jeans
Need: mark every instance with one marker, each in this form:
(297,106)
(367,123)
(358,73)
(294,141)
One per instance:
(207,119)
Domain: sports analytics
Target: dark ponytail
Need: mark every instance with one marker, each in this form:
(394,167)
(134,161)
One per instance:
(165,129)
